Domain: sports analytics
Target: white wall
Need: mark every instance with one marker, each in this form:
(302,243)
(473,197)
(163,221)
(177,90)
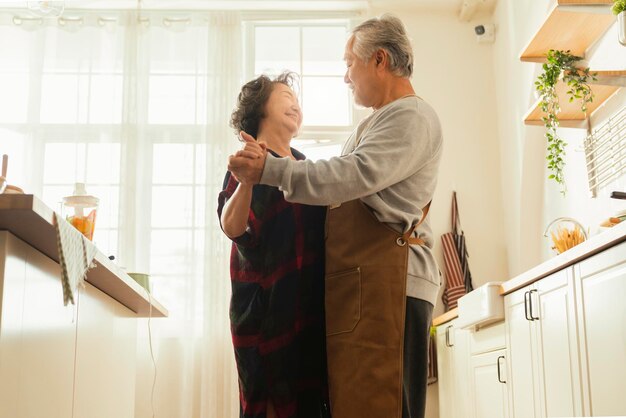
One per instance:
(530,200)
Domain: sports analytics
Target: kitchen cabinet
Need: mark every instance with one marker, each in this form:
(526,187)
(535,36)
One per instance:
(542,340)
(488,385)
(601,307)
(37,335)
(561,350)
(452,370)
(471,372)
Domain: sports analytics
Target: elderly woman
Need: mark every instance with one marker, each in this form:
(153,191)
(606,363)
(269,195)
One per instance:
(277,269)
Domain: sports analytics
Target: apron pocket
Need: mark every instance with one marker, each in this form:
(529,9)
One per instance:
(343,301)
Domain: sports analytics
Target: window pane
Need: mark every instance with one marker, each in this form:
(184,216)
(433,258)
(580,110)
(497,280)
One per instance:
(170,251)
(277,49)
(173,164)
(321,152)
(63,163)
(172,100)
(177,52)
(325,101)
(106,240)
(108,207)
(105,101)
(14,145)
(322,49)
(53,196)
(14,98)
(59,98)
(172,206)
(103,163)
(14,51)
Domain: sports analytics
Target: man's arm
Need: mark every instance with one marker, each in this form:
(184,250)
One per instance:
(395,147)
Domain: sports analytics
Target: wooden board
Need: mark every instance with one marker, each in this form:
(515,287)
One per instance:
(565,30)
(571,116)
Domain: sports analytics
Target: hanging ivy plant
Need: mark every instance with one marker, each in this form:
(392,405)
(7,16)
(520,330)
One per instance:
(561,64)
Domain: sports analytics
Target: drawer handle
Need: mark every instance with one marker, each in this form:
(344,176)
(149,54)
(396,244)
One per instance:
(499,376)
(530,304)
(448,336)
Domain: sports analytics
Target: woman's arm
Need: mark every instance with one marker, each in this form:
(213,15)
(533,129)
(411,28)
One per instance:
(236,211)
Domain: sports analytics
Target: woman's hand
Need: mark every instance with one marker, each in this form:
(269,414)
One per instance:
(251,148)
(247,164)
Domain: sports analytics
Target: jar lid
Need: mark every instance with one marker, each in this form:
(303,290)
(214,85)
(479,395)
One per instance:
(80,198)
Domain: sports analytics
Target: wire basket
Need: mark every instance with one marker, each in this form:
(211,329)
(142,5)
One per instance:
(565,233)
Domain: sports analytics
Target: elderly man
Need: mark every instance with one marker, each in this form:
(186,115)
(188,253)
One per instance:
(382,279)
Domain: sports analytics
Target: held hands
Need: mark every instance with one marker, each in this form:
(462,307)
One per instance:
(247,163)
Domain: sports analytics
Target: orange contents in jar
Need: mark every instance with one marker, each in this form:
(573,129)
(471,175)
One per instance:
(85,224)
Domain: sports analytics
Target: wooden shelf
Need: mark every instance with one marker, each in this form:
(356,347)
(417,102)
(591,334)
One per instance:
(569,30)
(571,116)
(29,219)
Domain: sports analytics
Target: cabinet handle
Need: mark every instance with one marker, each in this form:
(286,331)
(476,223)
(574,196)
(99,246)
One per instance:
(530,304)
(526,306)
(448,336)
(498,363)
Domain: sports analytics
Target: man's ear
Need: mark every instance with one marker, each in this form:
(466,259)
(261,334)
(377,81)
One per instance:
(380,57)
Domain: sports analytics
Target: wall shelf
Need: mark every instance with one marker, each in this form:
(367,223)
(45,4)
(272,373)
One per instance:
(571,116)
(565,29)
(30,220)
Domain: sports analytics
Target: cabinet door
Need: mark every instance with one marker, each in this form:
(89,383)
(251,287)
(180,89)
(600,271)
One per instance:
(553,303)
(105,357)
(40,339)
(601,288)
(445,370)
(488,385)
(523,393)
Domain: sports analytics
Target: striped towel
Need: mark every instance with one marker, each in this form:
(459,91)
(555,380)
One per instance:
(455,257)
(76,254)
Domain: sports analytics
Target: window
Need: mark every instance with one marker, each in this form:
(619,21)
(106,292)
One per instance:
(315,51)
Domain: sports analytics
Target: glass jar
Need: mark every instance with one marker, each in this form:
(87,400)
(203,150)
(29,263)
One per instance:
(80,210)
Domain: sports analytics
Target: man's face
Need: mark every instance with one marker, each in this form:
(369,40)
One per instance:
(360,77)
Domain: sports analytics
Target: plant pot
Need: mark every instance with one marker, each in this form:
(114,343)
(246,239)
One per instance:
(621,27)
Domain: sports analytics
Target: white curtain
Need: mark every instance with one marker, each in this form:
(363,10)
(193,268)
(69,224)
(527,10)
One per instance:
(136,105)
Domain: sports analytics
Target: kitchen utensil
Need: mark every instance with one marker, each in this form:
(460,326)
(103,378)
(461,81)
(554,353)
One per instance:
(565,233)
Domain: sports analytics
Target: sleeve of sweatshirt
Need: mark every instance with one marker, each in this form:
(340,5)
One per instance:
(395,146)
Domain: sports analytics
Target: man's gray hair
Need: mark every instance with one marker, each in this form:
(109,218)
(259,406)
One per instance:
(386,32)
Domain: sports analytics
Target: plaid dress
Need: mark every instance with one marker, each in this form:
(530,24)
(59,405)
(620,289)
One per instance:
(277,305)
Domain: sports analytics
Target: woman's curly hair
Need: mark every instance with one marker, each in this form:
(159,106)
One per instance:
(252,99)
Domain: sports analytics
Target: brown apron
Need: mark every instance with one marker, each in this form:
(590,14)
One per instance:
(366,268)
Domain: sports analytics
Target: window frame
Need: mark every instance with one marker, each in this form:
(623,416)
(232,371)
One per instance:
(319,134)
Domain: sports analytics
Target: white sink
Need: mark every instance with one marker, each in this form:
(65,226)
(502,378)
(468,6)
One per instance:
(481,307)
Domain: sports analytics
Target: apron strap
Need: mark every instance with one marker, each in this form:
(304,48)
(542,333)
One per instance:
(407,238)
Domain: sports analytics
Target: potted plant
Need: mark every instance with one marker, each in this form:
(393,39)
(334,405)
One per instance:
(619,9)
(561,65)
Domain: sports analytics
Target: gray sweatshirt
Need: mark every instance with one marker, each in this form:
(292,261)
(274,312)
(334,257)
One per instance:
(390,162)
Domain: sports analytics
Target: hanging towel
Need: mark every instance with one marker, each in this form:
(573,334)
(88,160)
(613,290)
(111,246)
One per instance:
(76,254)
(458,276)
(432,356)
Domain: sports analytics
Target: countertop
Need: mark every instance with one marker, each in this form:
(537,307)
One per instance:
(593,245)
(29,219)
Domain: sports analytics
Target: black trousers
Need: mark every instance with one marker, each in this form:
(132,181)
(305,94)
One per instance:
(417,324)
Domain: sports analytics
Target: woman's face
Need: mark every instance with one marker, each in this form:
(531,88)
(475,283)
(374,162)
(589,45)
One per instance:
(282,110)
